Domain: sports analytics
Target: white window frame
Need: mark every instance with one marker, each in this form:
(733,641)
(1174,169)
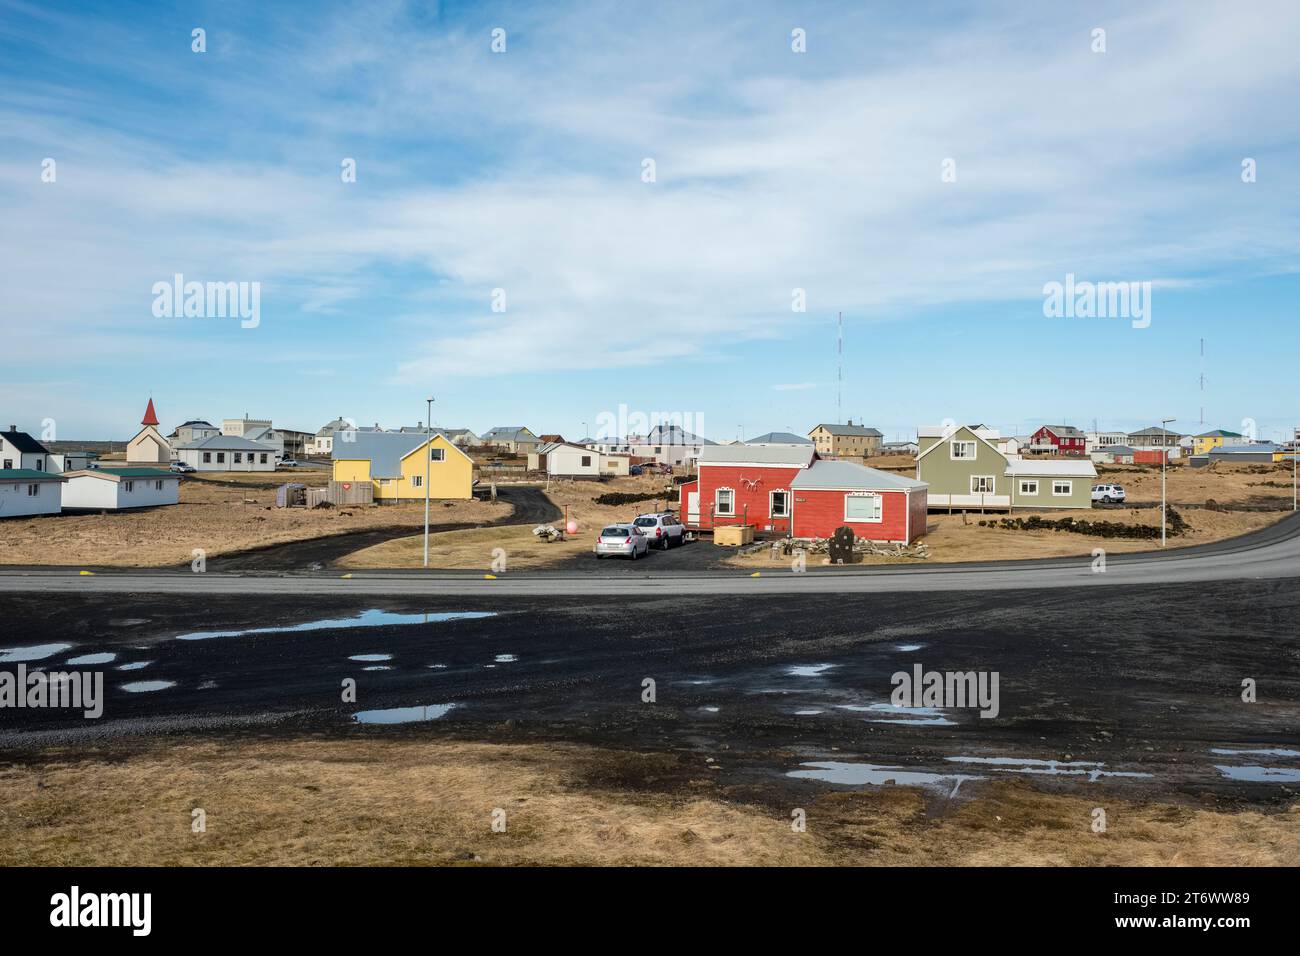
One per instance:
(417,481)
(128,486)
(1024,483)
(437,454)
(34,490)
(1069,487)
(717,502)
(771,498)
(880,507)
(991,479)
(953,446)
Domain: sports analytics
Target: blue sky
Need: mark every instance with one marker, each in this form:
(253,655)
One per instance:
(775,170)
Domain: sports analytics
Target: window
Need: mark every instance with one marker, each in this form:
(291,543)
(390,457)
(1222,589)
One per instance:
(862,506)
(239,458)
(586,461)
(1062,488)
(417,481)
(982,484)
(128,486)
(9,463)
(437,454)
(157,485)
(207,457)
(221,458)
(33,491)
(962,450)
(40,465)
(780,504)
(659,450)
(1028,487)
(724,501)
(264,458)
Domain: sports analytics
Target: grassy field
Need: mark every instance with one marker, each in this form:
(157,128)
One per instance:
(408,802)
(473,549)
(220,513)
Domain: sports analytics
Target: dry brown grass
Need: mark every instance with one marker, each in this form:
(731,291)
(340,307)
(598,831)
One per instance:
(362,802)
(473,549)
(216,517)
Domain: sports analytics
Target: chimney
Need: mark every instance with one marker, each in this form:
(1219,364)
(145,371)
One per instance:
(13,428)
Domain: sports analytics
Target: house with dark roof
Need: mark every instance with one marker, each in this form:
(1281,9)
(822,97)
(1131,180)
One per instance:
(19,450)
(1057,440)
(515,439)
(226,453)
(192,430)
(846,441)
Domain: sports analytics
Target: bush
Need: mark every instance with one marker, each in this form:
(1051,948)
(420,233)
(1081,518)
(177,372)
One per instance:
(1100,529)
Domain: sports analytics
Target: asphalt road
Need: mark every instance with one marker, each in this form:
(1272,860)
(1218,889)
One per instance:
(1271,553)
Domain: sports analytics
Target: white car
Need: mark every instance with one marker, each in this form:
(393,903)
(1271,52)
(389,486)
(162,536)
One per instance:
(1108,493)
(624,539)
(662,528)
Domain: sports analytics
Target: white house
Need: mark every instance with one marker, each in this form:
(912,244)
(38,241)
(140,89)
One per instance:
(226,453)
(26,491)
(270,437)
(19,450)
(71,460)
(105,489)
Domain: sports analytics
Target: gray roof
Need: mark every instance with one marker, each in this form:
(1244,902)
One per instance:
(510,433)
(779,438)
(225,443)
(338,425)
(850,476)
(852,430)
(1113,450)
(1064,431)
(1258,448)
(673,435)
(792,455)
(1154,430)
(384,451)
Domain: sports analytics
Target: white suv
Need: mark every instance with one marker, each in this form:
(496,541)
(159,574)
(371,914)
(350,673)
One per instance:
(662,529)
(1107,493)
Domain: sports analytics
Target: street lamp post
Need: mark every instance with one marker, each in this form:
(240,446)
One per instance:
(1164,466)
(428,453)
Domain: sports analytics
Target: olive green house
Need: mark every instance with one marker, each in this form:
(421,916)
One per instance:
(966,470)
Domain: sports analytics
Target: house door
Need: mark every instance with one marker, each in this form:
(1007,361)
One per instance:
(693,507)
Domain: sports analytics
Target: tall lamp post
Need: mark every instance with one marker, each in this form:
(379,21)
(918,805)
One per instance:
(1164,465)
(428,453)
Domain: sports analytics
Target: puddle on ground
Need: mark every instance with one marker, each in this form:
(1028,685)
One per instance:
(1268,752)
(371,657)
(505,658)
(402,715)
(438,667)
(710,710)
(806,713)
(809,670)
(134,666)
(147,686)
(371,618)
(907,716)
(377,667)
(1092,769)
(208,685)
(103,657)
(36,652)
(1260,774)
(908,647)
(860,774)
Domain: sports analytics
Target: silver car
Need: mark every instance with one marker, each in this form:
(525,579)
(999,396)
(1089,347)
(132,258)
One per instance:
(624,539)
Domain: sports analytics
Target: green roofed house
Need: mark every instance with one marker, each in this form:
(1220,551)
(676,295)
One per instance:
(966,471)
(25,492)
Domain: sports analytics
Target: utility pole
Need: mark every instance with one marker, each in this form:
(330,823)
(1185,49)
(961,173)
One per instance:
(428,453)
(839,391)
(1164,465)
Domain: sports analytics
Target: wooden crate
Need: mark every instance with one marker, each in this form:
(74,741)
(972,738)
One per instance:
(733,537)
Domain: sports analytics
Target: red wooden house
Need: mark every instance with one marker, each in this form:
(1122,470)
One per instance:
(788,490)
(1058,440)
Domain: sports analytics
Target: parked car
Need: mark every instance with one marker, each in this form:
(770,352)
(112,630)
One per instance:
(624,539)
(1108,493)
(181,468)
(662,527)
(288,463)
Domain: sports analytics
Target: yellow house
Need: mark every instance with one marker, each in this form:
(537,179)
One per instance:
(1204,444)
(394,463)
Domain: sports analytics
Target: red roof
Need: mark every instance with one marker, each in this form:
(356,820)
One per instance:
(150,416)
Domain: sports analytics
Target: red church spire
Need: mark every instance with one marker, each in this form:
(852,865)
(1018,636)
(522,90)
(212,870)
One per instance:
(150,416)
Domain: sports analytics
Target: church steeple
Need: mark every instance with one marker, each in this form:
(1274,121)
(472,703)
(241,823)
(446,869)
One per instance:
(150,416)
